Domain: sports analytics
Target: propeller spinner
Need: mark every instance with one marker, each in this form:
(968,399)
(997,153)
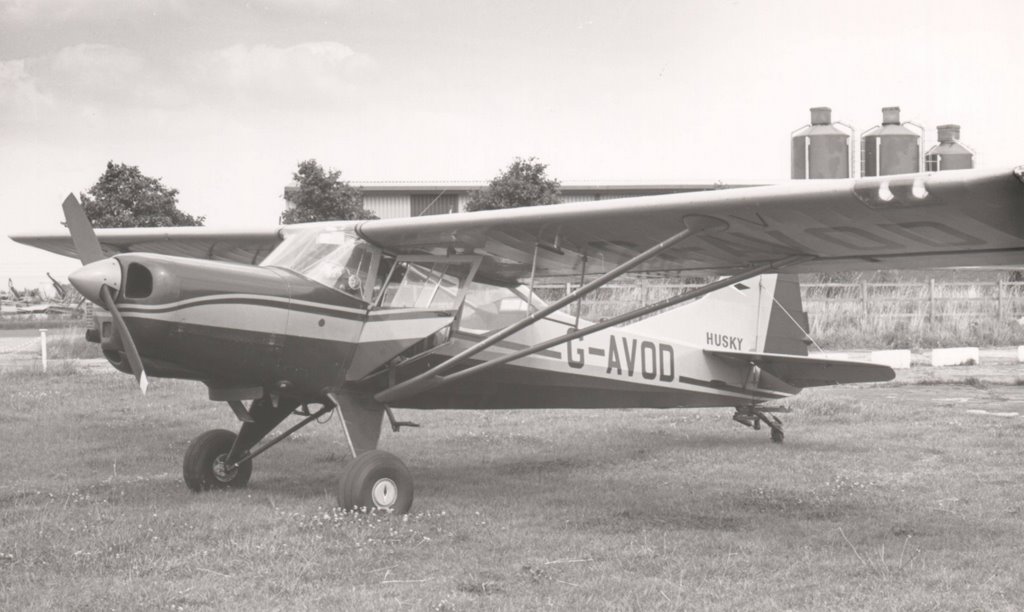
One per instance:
(99,279)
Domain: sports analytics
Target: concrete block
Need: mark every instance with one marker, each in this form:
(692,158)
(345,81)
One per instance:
(896,359)
(964,355)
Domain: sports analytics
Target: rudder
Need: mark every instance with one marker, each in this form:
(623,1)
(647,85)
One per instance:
(787,331)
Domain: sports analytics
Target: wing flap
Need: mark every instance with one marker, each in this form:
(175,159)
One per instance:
(804,372)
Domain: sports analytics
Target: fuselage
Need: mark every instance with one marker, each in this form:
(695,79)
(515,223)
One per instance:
(285,327)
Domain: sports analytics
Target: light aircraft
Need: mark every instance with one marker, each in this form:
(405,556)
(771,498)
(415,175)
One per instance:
(438,312)
(24,302)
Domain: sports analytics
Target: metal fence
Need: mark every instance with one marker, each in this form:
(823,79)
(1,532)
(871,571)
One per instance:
(930,300)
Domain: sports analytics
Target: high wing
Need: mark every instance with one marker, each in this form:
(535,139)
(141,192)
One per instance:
(240,246)
(954,218)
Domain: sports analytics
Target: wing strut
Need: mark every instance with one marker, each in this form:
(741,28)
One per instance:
(695,225)
(431,378)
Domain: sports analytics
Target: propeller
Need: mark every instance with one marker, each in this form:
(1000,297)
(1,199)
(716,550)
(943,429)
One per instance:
(99,278)
(82,234)
(134,360)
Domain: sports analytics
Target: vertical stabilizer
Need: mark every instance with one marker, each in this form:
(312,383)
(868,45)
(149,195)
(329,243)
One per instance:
(763,314)
(787,324)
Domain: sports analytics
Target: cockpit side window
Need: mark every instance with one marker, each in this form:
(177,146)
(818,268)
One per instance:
(428,282)
(433,285)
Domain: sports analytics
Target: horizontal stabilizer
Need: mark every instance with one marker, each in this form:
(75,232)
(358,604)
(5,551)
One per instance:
(805,372)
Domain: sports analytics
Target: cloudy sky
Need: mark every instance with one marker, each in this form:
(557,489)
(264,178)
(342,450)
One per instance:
(223,99)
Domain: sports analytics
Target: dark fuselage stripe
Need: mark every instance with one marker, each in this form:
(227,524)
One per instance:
(406,315)
(682,379)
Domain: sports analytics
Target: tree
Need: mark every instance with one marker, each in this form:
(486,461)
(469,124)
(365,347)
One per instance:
(321,195)
(523,183)
(125,197)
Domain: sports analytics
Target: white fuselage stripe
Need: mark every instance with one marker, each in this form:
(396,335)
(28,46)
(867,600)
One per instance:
(224,297)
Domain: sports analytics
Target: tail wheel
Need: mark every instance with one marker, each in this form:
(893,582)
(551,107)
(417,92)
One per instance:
(205,466)
(376,480)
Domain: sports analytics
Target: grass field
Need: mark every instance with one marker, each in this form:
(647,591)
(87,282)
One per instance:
(885,497)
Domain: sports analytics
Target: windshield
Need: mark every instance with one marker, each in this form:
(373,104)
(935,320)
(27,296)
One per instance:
(333,257)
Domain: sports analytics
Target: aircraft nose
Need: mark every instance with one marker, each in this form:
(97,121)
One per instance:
(91,277)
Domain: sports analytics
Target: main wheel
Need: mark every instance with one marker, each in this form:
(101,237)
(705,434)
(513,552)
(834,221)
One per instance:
(777,436)
(204,466)
(376,480)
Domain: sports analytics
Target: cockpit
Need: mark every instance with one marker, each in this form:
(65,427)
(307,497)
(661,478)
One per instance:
(338,258)
(335,257)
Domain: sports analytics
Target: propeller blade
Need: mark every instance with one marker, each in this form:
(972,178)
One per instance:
(82,234)
(134,360)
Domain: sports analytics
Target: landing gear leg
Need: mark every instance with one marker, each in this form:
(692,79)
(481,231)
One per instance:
(775,424)
(374,479)
(205,465)
(752,417)
(219,459)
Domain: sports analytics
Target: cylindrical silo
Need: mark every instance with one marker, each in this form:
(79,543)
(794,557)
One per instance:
(890,148)
(950,153)
(820,150)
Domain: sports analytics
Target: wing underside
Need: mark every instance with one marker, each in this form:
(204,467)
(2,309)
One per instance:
(957,218)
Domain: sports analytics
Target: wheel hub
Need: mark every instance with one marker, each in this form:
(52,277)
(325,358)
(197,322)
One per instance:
(384,493)
(221,471)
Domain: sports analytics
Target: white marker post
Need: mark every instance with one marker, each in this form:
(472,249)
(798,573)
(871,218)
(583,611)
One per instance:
(42,341)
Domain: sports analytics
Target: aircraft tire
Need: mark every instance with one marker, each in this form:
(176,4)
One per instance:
(201,468)
(376,480)
(777,436)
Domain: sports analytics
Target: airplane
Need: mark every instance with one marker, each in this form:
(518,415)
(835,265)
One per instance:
(59,289)
(440,312)
(15,294)
(24,302)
